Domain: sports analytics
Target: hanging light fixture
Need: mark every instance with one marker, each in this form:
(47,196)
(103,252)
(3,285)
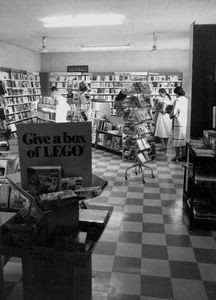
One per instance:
(43,45)
(154,47)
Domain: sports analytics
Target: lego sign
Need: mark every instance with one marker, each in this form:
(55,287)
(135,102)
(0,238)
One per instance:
(56,144)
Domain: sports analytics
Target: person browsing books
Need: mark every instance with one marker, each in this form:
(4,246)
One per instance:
(62,107)
(179,114)
(163,128)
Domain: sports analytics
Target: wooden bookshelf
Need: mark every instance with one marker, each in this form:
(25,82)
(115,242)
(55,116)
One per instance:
(23,92)
(106,86)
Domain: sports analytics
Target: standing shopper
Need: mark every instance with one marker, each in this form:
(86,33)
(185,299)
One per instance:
(179,114)
(163,127)
(62,107)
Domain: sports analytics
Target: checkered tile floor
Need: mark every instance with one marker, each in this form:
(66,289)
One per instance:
(147,251)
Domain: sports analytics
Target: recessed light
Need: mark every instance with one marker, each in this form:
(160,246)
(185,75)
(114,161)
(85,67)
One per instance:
(83,20)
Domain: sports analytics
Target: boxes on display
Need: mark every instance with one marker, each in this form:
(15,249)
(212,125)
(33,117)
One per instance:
(55,164)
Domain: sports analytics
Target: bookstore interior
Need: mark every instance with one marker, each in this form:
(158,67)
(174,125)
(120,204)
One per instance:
(94,204)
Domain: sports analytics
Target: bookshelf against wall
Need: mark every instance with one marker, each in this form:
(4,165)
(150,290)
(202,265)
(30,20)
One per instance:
(105,86)
(23,92)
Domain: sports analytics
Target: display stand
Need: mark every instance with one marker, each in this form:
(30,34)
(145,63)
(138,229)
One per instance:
(137,134)
(53,233)
(50,274)
(142,157)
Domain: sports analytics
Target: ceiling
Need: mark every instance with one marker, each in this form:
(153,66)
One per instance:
(170,20)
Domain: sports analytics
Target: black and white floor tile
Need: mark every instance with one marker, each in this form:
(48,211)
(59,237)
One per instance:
(147,251)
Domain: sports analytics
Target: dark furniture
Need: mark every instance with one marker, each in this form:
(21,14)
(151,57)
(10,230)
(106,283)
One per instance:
(199,189)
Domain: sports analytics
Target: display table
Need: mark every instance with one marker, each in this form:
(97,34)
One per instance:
(53,274)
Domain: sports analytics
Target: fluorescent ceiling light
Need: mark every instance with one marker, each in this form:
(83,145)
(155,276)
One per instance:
(104,47)
(83,20)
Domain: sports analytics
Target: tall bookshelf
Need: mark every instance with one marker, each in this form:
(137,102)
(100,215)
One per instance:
(23,92)
(106,86)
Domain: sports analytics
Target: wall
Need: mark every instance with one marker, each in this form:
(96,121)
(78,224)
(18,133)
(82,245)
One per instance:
(169,61)
(176,60)
(19,58)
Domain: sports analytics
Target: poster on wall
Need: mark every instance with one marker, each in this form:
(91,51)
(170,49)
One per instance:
(64,145)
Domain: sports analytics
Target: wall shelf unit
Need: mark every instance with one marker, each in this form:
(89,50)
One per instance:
(23,92)
(106,86)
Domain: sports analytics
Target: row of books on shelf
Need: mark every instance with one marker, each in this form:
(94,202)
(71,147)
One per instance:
(19,76)
(48,100)
(166,84)
(104,91)
(59,85)
(20,116)
(20,107)
(21,84)
(102,98)
(111,141)
(103,125)
(157,77)
(116,76)
(105,84)
(46,115)
(16,100)
(23,91)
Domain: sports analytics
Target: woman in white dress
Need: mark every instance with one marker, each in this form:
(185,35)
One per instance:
(180,114)
(163,127)
(62,107)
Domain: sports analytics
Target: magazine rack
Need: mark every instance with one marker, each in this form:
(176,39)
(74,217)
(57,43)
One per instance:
(138,141)
(142,157)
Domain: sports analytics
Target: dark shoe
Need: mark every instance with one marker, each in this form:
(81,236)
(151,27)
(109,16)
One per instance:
(182,159)
(174,159)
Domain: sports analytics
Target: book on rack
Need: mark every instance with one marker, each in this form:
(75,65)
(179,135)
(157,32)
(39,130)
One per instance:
(142,115)
(4,194)
(43,179)
(116,143)
(146,155)
(4,145)
(141,158)
(100,139)
(3,168)
(146,143)
(140,145)
(143,144)
(143,129)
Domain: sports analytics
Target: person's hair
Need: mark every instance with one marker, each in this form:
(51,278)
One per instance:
(53,88)
(179,91)
(163,91)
